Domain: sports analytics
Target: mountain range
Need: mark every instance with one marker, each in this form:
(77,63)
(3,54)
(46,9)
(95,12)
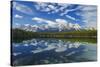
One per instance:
(57,27)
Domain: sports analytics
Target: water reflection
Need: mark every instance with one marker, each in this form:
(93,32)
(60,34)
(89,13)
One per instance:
(48,51)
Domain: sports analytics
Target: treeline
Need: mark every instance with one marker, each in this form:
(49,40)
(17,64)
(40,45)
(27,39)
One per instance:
(82,33)
(18,34)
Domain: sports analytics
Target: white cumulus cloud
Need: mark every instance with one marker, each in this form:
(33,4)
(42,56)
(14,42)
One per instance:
(41,20)
(22,8)
(18,16)
(61,20)
(52,8)
(89,16)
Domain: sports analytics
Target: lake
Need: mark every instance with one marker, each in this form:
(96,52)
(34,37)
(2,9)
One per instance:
(52,51)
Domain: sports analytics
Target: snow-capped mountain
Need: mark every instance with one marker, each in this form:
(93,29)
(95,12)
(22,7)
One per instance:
(57,27)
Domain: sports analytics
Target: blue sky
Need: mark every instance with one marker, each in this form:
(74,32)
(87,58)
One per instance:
(37,13)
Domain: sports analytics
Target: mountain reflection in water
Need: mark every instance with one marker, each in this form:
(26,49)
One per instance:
(51,51)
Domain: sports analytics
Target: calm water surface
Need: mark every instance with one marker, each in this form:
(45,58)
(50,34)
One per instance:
(51,51)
